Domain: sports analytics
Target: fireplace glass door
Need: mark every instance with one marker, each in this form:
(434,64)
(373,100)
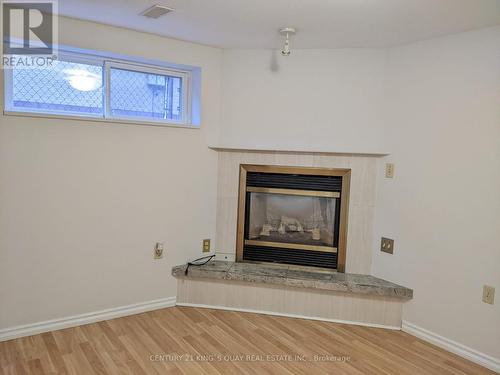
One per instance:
(292,215)
(292,219)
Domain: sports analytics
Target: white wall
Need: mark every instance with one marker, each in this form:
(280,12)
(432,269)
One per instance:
(82,203)
(314,100)
(442,207)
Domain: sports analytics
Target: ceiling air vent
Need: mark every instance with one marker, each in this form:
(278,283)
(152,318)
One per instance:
(156,11)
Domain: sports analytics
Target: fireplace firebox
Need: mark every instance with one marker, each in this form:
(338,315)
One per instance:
(293,215)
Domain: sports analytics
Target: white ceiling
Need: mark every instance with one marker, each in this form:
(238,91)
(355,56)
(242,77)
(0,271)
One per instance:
(320,23)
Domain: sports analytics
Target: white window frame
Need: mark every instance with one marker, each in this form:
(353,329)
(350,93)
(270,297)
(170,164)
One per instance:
(107,64)
(185,90)
(63,56)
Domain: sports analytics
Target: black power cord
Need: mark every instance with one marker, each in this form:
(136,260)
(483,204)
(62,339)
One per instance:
(198,262)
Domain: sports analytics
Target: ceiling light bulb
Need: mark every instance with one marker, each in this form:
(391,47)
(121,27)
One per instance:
(286,32)
(286,49)
(83,80)
(83,83)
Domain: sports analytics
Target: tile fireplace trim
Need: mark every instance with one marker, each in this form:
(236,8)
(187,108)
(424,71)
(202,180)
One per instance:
(364,172)
(345,173)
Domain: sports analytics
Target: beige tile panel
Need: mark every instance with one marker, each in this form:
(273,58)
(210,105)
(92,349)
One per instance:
(293,301)
(360,239)
(227,212)
(294,159)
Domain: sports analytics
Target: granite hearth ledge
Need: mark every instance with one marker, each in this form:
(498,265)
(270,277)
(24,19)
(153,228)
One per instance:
(294,277)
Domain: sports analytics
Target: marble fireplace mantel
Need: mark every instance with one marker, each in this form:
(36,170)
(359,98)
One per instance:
(294,277)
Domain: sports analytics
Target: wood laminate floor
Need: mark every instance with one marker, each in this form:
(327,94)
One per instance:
(184,340)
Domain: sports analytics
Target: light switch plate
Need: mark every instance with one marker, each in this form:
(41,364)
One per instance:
(206,245)
(387,245)
(389,170)
(488,294)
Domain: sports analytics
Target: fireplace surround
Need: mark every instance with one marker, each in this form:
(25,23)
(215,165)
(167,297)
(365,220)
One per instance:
(293,215)
(233,283)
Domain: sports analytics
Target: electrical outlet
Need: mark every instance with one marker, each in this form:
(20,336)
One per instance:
(488,294)
(158,250)
(206,246)
(387,245)
(224,257)
(389,170)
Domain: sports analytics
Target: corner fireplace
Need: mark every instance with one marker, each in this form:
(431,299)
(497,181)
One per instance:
(293,215)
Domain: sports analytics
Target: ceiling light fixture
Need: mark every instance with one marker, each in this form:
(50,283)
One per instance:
(286,32)
(83,80)
(156,11)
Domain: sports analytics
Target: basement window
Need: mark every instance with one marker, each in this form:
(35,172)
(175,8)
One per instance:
(93,87)
(145,93)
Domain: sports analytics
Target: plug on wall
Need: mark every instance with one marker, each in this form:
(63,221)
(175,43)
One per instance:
(158,250)
(488,294)
(387,245)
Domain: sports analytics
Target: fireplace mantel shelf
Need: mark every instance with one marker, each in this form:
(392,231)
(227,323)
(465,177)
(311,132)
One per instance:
(374,153)
(294,277)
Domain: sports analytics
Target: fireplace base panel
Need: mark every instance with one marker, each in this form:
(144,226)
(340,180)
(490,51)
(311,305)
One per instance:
(285,290)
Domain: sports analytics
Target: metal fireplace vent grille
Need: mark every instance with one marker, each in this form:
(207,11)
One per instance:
(295,181)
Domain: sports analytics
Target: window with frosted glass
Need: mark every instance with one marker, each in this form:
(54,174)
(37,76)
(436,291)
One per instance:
(144,95)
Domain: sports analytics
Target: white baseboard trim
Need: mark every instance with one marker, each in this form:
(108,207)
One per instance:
(77,320)
(452,346)
(216,307)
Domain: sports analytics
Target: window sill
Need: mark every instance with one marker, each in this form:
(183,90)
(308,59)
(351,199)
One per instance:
(101,119)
